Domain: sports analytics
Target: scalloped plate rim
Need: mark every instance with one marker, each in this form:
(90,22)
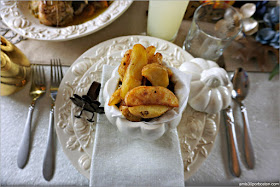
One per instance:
(60,132)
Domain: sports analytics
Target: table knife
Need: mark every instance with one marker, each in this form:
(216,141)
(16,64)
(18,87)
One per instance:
(233,153)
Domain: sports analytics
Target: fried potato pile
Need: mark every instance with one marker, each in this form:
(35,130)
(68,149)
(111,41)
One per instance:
(144,92)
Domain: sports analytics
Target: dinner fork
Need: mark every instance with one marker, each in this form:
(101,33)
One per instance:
(56,77)
(38,89)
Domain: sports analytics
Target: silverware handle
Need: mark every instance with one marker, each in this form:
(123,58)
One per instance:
(48,162)
(24,146)
(248,147)
(234,164)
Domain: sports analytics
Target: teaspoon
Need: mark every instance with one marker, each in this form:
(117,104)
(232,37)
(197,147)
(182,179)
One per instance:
(240,81)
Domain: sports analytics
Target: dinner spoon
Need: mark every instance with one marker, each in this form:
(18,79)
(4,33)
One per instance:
(240,81)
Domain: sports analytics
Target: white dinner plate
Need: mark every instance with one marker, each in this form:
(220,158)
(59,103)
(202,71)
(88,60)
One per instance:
(197,130)
(17,16)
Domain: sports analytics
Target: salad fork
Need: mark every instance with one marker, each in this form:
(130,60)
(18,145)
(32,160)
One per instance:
(56,77)
(38,89)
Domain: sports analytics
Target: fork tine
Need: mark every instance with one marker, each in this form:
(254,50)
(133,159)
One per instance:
(58,70)
(36,77)
(61,73)
(51,71)
(43,75)
(55,72)
(32,74)
(39,73)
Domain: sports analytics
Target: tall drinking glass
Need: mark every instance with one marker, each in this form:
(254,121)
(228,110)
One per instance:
(165,17)
(214,27)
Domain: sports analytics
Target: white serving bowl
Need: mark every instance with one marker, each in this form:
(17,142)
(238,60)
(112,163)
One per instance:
(156,128)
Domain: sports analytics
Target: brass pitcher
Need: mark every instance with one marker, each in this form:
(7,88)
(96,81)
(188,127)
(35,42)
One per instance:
(15,68)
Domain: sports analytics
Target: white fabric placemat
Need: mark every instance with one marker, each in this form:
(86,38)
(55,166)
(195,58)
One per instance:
(119,160)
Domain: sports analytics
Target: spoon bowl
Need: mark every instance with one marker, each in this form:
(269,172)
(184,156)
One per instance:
(241,84)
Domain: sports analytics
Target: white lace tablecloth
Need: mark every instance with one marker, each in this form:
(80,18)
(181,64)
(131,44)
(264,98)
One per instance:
(263,110)
(14,110)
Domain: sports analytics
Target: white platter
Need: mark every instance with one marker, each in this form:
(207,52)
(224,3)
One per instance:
(197,131)
(16,15)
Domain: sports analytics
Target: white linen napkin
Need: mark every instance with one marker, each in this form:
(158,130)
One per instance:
(119,160)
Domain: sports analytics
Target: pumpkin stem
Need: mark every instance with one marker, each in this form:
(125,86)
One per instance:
(214,77)
(213,82)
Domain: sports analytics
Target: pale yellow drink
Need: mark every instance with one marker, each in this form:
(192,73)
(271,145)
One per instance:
(165,17)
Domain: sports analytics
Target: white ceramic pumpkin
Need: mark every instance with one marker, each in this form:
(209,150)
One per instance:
(210,85)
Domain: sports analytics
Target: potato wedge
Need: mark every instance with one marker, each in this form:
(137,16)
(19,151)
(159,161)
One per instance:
(157,58)
(133,76)
(150,53)
(115,98)
(124,63)
(156,74)
(148,111)
(128,115)
(170,73)
(151,95)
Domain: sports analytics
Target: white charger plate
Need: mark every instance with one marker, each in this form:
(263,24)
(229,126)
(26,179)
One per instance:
(17,16)
(197,131)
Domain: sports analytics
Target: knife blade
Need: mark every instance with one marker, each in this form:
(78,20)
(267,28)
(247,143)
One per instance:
(233,153)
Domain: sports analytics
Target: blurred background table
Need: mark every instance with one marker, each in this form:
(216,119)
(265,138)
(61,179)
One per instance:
(262,106)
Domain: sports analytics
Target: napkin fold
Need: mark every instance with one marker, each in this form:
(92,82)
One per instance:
(119,160)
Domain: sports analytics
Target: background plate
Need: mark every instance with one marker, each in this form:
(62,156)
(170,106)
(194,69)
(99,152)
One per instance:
(16,15)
